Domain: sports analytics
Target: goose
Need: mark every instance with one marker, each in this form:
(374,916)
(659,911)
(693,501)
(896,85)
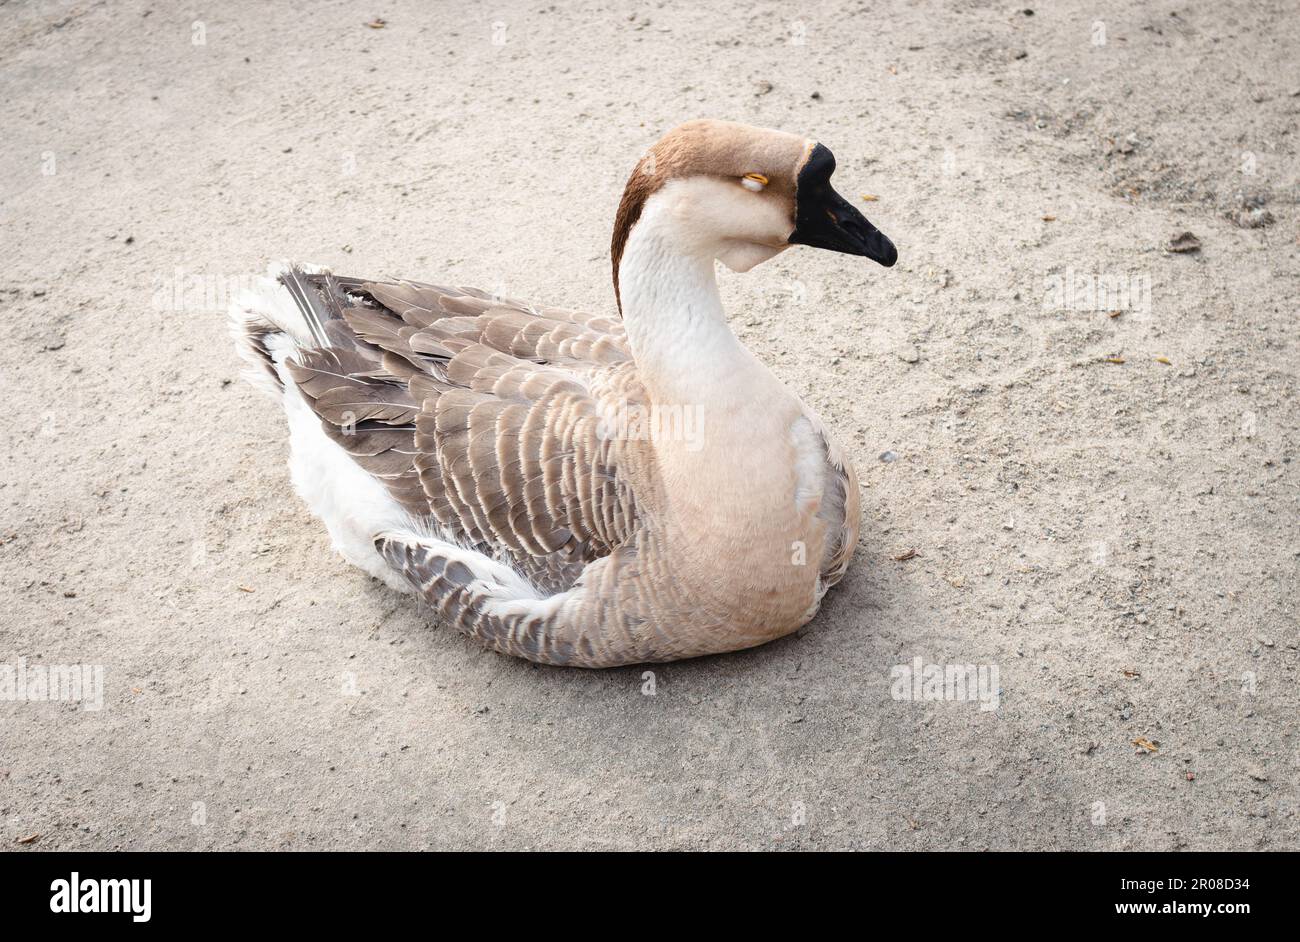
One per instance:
(578,489)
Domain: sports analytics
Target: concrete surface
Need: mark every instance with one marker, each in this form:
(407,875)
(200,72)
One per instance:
(1118,539)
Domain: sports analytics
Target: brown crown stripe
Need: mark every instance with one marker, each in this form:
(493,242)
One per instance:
(705,147)
(639,187)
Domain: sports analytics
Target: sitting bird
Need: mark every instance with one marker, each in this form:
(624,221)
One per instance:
(581,489)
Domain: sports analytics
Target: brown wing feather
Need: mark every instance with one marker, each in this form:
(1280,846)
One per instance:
(478,412)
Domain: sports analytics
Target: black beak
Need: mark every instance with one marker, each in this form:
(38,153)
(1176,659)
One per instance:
(826,220)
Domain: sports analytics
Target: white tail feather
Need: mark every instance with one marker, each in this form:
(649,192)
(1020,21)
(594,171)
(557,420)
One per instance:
(262,312)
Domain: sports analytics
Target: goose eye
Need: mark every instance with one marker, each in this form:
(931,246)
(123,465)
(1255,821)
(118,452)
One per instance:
(754,182)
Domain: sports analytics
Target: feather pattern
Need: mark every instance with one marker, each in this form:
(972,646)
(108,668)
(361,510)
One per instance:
(496,443)
(487,418)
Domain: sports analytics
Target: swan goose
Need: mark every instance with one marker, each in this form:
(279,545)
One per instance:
(571,488)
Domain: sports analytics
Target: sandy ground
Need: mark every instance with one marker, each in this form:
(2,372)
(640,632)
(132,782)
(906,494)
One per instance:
(1118,538)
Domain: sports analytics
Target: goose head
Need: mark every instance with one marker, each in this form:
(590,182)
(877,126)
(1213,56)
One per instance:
(742,195)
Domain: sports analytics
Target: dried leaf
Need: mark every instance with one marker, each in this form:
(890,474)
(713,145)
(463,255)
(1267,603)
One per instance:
(244,588)
(1114,359)
(29,839)
(1149,745)
(870,197)
(1183,243)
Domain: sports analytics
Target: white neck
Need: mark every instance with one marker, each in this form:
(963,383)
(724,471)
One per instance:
(684,349)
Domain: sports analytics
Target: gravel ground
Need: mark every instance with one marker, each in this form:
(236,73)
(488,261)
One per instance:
(1087,439)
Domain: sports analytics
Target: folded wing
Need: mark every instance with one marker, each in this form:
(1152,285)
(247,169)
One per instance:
(484,414)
